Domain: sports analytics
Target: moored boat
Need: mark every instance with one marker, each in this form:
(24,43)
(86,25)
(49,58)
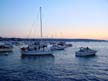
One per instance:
(5,48)
(36,50)
(39,48)
(57,47)
(85,52)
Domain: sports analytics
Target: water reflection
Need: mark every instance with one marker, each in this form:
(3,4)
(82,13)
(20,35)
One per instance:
(5,53)
(46,59)
(85,60)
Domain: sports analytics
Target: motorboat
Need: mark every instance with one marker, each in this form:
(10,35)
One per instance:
(23,45)
(57,47)
(61,45)
(68,45)
(6,48)
(64,44)
(85,52)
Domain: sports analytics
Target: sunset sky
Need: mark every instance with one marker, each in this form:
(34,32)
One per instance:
(61,18)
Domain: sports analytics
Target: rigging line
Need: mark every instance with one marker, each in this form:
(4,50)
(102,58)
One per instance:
(31,30)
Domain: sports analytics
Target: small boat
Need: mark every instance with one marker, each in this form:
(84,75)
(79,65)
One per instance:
(64,44)
(85,52)
(68,45)
(57,47)
(23,45)
(6,48)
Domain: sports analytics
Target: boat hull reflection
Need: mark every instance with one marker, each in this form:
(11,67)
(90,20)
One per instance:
(46,59)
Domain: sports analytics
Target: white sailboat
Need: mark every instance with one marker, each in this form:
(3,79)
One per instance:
(39,49)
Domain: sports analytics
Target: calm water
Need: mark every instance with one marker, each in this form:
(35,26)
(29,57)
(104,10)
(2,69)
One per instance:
(61,66)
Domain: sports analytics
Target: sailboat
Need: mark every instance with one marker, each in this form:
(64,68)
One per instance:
(39,48)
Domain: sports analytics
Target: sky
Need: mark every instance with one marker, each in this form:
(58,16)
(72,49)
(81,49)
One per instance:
(86,19)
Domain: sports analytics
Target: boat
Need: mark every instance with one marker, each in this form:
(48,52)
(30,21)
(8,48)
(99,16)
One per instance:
(6,48)
(57,47)
(68,45)
(85,52)
(39,48)
(35,52)
(36,49)
(22,45)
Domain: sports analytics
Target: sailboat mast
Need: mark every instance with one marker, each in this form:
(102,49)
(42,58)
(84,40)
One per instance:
(41,22)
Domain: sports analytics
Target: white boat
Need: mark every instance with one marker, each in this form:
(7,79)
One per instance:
(37,49)
(85,52)
(36,52)
(22,45)
(57,47)
(6,48)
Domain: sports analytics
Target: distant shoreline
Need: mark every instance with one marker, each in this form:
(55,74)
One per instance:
(52,39)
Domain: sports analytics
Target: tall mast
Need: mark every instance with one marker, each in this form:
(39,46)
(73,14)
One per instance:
(41,22)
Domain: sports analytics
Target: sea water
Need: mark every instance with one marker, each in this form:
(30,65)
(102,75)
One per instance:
(61,66)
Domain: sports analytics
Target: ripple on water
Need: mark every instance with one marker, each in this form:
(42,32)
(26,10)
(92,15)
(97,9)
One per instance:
(62,66)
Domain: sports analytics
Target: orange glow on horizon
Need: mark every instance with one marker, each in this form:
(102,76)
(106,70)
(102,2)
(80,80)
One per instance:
(103,37)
